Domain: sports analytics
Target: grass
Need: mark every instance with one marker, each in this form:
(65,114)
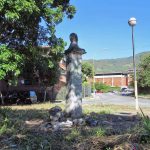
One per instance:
(146,122)
(14,132)
(108,109)
(142,95)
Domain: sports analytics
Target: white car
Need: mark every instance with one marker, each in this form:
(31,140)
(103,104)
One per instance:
(127,92)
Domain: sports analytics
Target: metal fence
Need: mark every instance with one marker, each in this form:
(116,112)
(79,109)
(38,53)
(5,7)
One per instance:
(86,92)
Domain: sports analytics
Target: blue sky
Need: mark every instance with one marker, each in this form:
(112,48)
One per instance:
(103,30)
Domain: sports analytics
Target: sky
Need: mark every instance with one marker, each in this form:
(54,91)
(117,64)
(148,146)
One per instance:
(103,30)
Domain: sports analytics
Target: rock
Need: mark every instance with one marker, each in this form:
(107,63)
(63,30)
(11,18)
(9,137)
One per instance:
(60,125)
(56,127)
(55,113)
(79,122)
(91,122)
(54,110)
(46,126)
(54,118)
(68,124)
(54,123)
(62,118)
(107,123)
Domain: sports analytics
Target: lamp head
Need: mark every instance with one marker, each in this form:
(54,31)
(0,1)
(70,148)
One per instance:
(132,22)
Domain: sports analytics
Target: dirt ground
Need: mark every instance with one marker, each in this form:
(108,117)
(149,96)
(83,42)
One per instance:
(28,129)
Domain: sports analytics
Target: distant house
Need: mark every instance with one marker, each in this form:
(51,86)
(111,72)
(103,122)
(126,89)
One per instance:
(117,79)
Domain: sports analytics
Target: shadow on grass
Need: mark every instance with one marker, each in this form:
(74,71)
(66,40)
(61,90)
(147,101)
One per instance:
(22,131)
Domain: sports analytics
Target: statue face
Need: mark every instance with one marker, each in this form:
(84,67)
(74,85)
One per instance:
(73,38)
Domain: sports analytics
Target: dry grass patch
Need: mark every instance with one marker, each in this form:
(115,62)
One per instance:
(20,128)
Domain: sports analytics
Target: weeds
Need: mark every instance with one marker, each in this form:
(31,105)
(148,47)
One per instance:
(14,131)
(4,126)
(97,132)
(75,133)
(5,122)
(146,122)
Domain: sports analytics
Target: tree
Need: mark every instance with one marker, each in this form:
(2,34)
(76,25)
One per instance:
(10,64)
(22,31)
(87,71)
(20,21)
(144,73)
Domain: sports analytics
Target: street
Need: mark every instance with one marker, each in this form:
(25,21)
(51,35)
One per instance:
(111,98)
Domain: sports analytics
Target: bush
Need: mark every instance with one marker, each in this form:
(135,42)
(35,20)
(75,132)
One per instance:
(102,87)
(146,122)
(5,123)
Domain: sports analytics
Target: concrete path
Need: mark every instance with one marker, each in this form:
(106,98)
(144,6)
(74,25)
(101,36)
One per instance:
(111,98)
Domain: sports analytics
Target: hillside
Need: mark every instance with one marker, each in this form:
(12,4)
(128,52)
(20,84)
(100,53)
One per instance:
(116,65)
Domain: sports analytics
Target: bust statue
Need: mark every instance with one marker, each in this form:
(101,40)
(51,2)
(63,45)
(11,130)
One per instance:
(73,38)
(74,45)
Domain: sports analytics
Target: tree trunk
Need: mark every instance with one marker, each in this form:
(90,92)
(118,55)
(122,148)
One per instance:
(2,100)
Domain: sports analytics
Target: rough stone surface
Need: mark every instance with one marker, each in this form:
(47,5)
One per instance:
(91,122)
(74,78)
(55,113)
(74,86)
(61,125)
(79,122)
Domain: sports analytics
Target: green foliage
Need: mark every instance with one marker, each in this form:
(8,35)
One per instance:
(4,126)
(10,62)
(22,30)
(105,88)
(146,122)
(98,132)
(95,132)
(102,87)
(81,133)
(87,71)
(20,21)
(75,133)
(42,64)
(5,123)
(144,72)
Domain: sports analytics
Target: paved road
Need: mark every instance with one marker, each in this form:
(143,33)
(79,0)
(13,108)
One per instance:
(110,98)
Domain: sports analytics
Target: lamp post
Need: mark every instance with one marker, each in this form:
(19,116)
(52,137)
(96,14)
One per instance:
(93,79)
(132,23)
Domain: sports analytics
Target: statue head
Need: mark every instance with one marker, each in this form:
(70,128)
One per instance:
(74,45)
(73,38)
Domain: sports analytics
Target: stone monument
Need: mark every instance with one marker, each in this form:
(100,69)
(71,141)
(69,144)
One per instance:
(74,78)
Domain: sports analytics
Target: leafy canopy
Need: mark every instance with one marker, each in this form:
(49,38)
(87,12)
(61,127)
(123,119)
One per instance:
(9,62)
(87,71)
(22,32)
(144,72)
(20,21)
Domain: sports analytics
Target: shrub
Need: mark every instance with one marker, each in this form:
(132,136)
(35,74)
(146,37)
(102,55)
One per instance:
(5,123)
(102,87)
(146,122)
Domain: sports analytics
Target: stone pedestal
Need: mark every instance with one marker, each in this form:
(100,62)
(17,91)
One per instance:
(74,78)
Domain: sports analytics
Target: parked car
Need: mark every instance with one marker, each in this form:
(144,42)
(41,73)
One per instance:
(19,98)
(127,92)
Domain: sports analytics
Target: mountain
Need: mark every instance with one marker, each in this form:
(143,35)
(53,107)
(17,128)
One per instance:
(116,65)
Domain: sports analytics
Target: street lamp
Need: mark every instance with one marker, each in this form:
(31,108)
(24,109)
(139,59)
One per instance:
(94,90)
(132,23)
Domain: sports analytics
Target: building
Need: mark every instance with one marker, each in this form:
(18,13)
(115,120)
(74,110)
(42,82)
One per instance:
(117,79)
